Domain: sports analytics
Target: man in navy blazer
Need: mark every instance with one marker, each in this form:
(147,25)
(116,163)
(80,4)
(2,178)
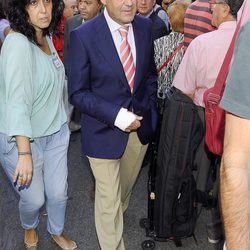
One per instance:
(117,122)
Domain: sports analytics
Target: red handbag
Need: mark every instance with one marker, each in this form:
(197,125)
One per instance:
(215,122)
(214,114)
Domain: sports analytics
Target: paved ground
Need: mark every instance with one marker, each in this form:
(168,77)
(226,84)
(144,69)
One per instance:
(80,213)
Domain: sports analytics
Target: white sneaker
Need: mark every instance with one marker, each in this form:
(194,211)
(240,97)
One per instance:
(213,241)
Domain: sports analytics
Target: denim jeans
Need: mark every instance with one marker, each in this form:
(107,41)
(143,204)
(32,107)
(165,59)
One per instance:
(49,180)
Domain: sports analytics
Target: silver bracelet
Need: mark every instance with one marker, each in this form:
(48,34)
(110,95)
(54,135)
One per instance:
(25,153)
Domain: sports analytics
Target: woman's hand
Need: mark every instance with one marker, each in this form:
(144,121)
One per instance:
(24,170)
(24,167)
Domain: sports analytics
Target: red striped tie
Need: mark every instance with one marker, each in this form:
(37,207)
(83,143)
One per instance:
(127,57)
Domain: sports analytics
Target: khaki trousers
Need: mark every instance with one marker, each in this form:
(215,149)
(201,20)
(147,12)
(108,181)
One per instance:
(114,181)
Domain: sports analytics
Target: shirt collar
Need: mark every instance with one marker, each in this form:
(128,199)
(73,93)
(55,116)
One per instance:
(148,15)
(227,25)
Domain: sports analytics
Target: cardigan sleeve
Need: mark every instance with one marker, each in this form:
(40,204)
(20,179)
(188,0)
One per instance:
(17,70)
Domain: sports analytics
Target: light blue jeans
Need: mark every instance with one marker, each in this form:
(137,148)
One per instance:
(49,179)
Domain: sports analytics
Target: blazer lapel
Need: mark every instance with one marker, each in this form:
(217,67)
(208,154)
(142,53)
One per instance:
(107,48)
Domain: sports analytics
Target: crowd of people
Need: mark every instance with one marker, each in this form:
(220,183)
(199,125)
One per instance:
(101,66)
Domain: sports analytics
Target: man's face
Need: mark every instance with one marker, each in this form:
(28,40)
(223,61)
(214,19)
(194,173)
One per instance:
(121,11)
(219,11)
(89,8)
(70,8)
(144,7)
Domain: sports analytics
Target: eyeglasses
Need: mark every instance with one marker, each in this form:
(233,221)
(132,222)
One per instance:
(213,4)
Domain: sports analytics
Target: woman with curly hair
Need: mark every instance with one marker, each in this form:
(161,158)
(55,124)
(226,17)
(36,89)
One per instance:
(34,134)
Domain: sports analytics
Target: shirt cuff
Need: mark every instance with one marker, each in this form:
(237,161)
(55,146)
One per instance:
(124,118)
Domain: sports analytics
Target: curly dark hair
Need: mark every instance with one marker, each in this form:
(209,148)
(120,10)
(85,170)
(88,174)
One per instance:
(18,18)
(2,15)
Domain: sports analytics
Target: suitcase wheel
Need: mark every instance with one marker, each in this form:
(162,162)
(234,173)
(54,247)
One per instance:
(148,245)
(144,223)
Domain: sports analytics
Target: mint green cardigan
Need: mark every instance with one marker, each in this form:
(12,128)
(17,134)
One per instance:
(31,89)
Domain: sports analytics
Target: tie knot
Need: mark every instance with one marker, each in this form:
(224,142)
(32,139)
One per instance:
(124,31)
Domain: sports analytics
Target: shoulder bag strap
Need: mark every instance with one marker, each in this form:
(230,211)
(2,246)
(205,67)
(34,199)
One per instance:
(170,58)
(221,78)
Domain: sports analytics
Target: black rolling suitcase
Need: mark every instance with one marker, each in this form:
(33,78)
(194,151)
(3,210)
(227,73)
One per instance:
(172,210)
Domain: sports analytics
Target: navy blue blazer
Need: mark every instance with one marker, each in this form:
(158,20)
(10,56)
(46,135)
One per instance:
(98,86)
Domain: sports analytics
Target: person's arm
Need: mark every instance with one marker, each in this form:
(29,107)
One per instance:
(235,169)
(17,63)
(7,31)
(18,78)
(186,76)
(4,29)
(235,182)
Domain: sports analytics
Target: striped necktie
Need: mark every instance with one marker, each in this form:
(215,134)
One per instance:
(127,57)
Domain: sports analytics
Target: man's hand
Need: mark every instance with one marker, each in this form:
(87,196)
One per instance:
(134,125)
